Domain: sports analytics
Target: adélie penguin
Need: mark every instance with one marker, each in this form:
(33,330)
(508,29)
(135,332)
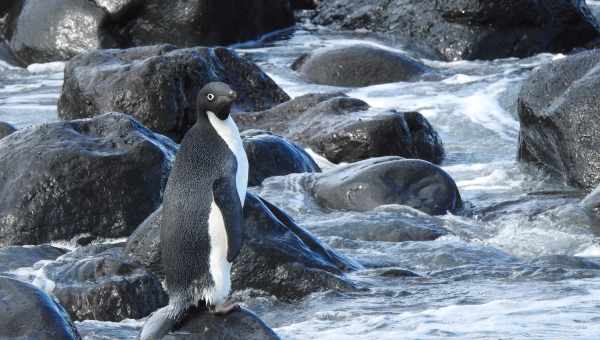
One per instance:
(201,228)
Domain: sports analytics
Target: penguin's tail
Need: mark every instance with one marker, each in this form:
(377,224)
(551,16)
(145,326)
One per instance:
(162,321)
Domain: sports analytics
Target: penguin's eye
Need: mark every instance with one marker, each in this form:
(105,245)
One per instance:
(210,97)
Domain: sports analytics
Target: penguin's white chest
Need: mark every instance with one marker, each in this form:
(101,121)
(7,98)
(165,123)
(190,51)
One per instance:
(219,267)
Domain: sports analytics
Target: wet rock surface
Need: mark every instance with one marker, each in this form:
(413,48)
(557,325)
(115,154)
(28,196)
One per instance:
(358,65)
(98,283)
(278,256)
(15,257)
(558,111)
(469,29)
(158,84)
(99,176)
(272,155)
(368,184)
(28,313)
(6,129)
(238,325)
(327,123)
(53,30)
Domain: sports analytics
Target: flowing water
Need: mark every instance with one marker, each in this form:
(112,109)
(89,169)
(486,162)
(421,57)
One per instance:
(522,264)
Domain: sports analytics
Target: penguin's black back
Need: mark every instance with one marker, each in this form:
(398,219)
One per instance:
(203,158)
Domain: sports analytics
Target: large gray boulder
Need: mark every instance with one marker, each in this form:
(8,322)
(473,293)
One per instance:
(15,257)
(99,176)
(158,84)
(366,185)
(27,312)
(358,65)
(469,29)
(277,257)
(328,124)
(559,111)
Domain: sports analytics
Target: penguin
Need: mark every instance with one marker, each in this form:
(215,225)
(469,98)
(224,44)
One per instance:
(201,227)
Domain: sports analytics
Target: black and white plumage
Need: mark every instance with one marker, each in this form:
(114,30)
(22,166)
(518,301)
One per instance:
(201,230)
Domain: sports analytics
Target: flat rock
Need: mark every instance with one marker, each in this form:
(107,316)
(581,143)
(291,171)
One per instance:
(15,257)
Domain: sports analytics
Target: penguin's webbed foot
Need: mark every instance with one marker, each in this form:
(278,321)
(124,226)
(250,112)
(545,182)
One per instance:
(226,309)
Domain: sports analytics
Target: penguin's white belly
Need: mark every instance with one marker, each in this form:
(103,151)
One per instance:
(219,267)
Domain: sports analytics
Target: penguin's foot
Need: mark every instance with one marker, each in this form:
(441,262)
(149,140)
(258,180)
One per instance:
(226,309)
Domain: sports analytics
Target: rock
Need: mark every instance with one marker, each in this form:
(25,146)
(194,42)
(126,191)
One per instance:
(357,66)
(327,123)
(100,176)
(368,184)
(559,115)
(385,224)
(97,283)
(53,30)
(203,22)
(272,155)
(304,4)
(56,30)
(565,261)
(15,257)
(29,313)
(278,256)
(6,54)
(158,84)
(238,325)
(591,206)
(6,129)
(469,29)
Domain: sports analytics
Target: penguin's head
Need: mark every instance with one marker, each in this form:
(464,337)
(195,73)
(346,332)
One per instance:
(217,98)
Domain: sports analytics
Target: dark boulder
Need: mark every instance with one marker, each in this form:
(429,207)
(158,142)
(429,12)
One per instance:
(328,124)
(100,176)
(158,84)
(358,65)
(26,312)
(51,30)
(469,29)
(272,155)
(304,4)
(559,111)
(368,184)
(6,54)
(238,325)
(15,257)
(278,256)
(98,283)
(6,129)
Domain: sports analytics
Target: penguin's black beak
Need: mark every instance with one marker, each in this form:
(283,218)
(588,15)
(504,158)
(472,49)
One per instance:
(232,95)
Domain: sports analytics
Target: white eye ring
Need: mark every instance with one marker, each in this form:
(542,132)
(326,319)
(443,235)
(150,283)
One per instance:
(210,97)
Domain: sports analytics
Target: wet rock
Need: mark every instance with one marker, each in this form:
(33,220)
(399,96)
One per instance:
(6,129)
(329,124)
(565,261)
(368,184)
(99,176)
(15,257)
(6,54)
(158,84)
(98,283)
(386,224)
(558,109)
(469,29)
(358,65)
(278,256)
(29,313)
(272,155)
(239,325)
(591,206)
(53,30)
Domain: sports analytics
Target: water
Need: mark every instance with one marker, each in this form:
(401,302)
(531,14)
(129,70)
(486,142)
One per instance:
(506,271)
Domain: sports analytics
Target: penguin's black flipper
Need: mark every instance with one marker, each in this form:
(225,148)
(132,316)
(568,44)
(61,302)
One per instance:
(228,200)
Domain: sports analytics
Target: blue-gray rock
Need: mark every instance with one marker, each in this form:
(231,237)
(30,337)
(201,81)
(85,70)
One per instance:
(6,129)
(27,312)
(15,257)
